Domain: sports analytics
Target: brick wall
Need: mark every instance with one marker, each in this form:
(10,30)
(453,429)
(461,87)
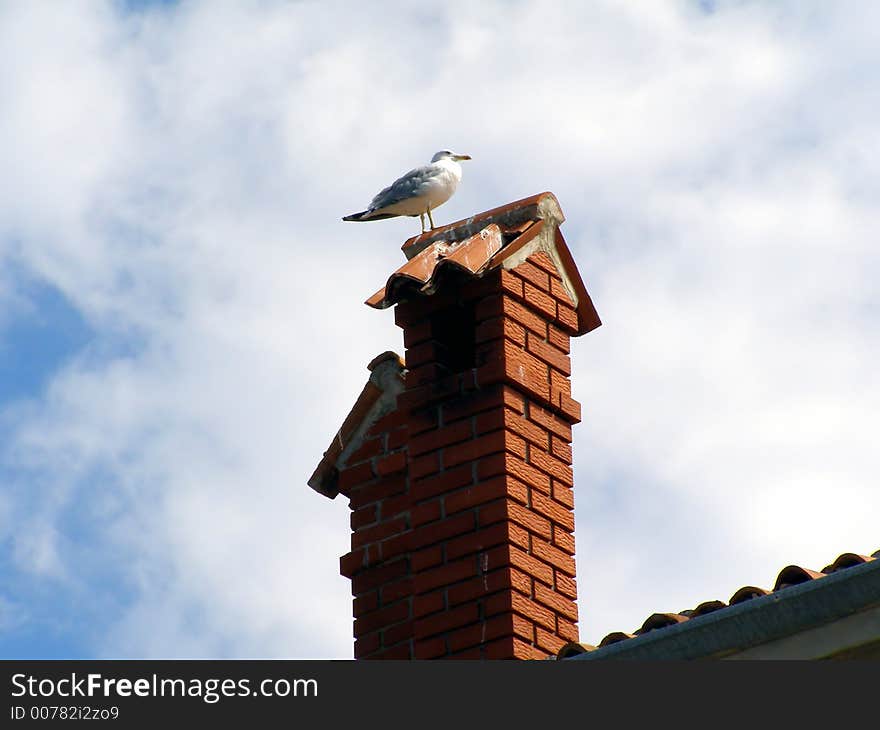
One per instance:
(461,498)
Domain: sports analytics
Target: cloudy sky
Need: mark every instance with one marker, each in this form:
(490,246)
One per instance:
(182,326)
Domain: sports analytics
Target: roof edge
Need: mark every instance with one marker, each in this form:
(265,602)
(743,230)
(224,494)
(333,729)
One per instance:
(758,621)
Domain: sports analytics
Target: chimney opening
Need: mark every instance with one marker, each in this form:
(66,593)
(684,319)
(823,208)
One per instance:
(453,332)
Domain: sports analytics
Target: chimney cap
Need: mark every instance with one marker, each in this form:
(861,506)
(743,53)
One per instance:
(501,237)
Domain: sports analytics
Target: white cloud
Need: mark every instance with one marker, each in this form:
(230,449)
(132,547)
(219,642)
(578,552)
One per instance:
(179,175)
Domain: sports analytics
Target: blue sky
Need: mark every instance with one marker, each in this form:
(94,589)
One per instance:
(182,325)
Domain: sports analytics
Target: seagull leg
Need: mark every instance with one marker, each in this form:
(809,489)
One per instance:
(431,219)
(422,219)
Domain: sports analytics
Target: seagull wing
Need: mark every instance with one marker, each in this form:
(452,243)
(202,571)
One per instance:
(405,187)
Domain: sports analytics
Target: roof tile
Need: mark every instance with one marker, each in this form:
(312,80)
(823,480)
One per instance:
(501,237)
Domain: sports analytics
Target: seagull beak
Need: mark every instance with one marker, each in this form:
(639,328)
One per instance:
(462,157)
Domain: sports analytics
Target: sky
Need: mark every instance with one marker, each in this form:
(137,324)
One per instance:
(182,327)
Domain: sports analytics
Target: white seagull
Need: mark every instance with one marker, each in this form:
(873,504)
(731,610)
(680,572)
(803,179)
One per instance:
(418,192)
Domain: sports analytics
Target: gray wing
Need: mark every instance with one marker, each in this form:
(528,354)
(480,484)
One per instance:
(406,186)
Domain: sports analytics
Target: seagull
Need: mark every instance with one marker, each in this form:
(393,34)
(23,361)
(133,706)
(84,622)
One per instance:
(417,192)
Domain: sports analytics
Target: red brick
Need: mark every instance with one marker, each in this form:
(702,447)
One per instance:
(363,516)
(391,464)
(564,495)
(529,520)
(560,449)
(424,374)
(443,530)
(491,397)
(393,506)
(396,590)
(374,577)
(549,421)
(541,301)
(430,648)
(352,562)
(423,420)
(553,600)
(527,429)
(433,440)
(534,275)
(394,546)
(417,333)
(481,586)
(548,641)
(505,648)
(558,339)
(388,422)
(368,449)
(424,513)
(567,630)
(354,476)
(549,354)
(552,510)
(567,318)
(565,584)
(528,474)
(554,556)
(558,292)
(446,621)
(400,651)
(526,607)
(381,618)
(445,575)
(443,482)
(563,539)
(423,465)
(366,645)
(542,260)
(501,328)
(365,603)
(399,436)
(550,465)
(497,281)
(500,511)
(427,558)
(428,603)
(477,541)
(381,489)
(485,491)
(521,368)
(399,632)
(484,445)
(570,408)
(486,631)
(378,532)
(424,352)
(513,556)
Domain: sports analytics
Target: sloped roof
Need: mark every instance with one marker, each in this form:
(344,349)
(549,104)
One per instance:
(501,237)
(745,600)
(378,397)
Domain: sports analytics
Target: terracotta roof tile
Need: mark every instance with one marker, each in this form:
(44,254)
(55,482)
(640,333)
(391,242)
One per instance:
(614,637)
(747,593)
(847,560)
(791,575)
(501,237)
(573,648)
(659,621)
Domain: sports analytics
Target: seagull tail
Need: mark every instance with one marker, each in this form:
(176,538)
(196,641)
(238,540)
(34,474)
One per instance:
(367,215)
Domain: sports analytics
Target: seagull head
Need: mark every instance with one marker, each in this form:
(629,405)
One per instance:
(449,155)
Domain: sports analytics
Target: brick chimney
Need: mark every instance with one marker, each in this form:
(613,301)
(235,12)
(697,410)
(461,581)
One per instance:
(457,460)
